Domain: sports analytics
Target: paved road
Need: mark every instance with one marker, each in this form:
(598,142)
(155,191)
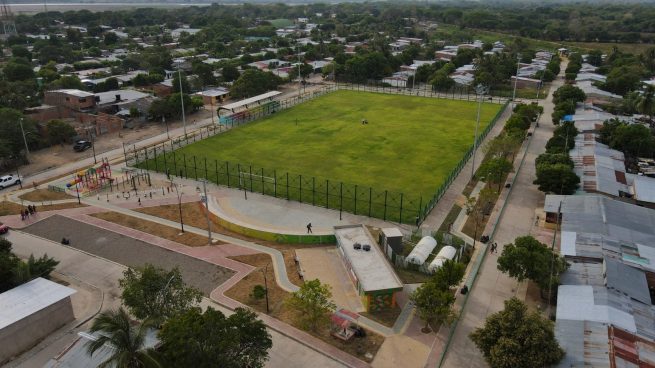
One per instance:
(105,274)
(493,287)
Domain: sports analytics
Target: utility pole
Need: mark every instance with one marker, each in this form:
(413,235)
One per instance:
(93,145)
(179,76)
(480,90)
(163,120)
(27,150)
(299,80)
(209,224)
(516,80)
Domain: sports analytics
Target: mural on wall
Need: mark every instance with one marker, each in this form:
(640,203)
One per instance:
(380,302)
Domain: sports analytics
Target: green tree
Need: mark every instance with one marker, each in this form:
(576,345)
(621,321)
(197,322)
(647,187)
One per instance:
(434,304)
(157,294)
(516,337)
(186,88)
(529,259)
(449,274)
(11,132)
(126,342)
(15,71)
(495,170)
(554,158)
(441,81)
(230,73)
(633,139)
(59,132)
(477,208)
(646,104)
(253,82)
(595,57)
(623,79)
(556,178)
(569,92)
(313,301)
(209,339)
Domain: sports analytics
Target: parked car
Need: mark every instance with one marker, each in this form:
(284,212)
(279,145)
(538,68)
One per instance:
(9,180)
(4,228)
(81,146)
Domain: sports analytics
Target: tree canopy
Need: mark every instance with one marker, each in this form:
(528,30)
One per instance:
(516,337)
(313,301)
(210,339)
(154,293)
(527,258)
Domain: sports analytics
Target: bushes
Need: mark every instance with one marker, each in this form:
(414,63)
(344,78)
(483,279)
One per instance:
(565,99)
(555,167)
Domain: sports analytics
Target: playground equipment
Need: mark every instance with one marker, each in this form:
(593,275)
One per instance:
(91,179)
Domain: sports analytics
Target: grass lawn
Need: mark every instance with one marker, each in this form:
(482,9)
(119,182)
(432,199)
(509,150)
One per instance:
(409,146)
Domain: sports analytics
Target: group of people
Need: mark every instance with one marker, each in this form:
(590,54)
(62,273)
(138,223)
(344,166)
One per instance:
(494,248)
(25,214)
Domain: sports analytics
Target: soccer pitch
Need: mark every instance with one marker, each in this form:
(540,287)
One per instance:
(319,152)
(409,145)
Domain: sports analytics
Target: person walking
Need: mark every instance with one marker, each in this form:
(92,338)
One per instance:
(309,228)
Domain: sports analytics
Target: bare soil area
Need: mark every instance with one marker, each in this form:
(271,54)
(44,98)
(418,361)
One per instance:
(162,231)
(358,347)
(41,195)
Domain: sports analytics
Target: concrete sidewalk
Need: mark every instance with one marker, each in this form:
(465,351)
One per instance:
(493,287)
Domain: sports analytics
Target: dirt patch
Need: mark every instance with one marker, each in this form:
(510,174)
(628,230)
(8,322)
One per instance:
(129,251)
(41,195)
(11,208)
(386,317)
(242,291)
(193,213)
(410,276)
(162,231)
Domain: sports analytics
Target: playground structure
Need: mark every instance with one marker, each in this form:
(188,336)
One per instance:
(92,179)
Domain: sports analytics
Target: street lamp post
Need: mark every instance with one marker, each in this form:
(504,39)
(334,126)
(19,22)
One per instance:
(179,76)
(179,204)
(299,80)
(93,144)
(163,120)
(516,80)
(27,150)
(480,90)
(264,271)
(209,224)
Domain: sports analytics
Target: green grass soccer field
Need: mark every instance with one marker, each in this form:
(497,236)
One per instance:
(409,145)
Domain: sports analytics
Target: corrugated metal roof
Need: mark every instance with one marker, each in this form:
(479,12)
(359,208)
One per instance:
(644,188)
(29,298)
(627,280)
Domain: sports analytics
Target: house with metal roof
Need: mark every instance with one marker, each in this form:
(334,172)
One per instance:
(605,313)
(600,168)
(30,312)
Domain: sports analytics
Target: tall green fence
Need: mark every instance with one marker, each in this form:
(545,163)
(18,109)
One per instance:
(322,192)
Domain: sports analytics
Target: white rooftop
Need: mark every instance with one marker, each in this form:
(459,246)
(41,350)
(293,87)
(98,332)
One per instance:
(250,100)
(29,298)
(371,268)
(74,92)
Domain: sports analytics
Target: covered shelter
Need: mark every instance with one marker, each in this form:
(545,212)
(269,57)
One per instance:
(265,97)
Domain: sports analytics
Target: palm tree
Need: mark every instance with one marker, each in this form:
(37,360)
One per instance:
(646,104)
(116,332)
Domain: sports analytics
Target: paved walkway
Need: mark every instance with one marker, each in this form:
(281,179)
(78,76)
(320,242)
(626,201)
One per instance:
(441,210)
(493,287)
(286,352)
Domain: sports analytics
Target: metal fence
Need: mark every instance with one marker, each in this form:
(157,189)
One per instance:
(332,194)
(322,192)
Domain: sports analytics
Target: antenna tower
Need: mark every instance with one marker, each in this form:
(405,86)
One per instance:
(7,20)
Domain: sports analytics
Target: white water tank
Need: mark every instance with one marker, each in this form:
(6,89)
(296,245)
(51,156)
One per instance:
(444,254)
(422,250)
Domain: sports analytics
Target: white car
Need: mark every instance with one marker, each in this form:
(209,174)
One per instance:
(9,180)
